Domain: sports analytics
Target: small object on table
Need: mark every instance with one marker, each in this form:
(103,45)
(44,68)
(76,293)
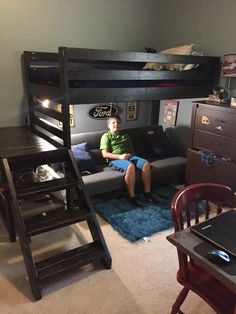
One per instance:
(218,257)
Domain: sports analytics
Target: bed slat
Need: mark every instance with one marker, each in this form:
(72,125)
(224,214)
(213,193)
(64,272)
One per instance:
(106,75)
(81,54)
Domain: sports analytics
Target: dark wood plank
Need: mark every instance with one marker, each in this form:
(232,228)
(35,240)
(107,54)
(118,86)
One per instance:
(40,188)
(40,56)
(77,54)
(121,74)
(16,141)
(55,220)
(50,113)
(76,257)
(49,127)
(94,95)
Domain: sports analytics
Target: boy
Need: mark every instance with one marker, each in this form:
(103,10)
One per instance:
(116,147)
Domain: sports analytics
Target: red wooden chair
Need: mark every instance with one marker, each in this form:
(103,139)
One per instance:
(191,276)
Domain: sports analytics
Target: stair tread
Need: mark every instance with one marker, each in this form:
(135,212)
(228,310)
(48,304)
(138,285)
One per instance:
(55,219)
(79,256)
(39,188)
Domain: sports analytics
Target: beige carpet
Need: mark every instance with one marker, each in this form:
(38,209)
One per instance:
(141,281)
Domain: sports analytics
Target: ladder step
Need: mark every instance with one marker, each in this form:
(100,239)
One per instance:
(54,220)
(76,257)
(46,187)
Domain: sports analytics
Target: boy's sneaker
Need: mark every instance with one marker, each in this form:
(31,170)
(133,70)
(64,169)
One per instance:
(133,202)
(150,199)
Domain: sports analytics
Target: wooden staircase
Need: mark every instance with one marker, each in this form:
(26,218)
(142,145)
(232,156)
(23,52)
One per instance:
(78,208)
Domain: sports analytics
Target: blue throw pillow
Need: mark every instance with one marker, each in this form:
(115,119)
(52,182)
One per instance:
(83,158)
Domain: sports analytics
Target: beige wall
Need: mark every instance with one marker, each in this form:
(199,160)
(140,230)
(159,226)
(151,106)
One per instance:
(210,24)
(46,24)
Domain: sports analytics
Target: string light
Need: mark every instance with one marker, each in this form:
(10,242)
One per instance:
(45,103)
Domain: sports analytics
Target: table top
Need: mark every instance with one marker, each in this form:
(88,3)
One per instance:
(16,141)
(197,248)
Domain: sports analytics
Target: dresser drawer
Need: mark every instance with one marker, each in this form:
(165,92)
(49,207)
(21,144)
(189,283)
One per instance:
(219,172)
(217,120)
(219,145)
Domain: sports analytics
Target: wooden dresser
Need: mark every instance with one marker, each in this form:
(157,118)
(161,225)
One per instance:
(213,132)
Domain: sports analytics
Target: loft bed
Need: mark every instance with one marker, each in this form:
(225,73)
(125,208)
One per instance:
(88,76)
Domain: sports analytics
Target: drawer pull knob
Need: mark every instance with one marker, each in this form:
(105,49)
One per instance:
(219,128)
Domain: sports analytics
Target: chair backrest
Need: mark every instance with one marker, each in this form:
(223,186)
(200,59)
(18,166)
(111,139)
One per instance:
(199,196)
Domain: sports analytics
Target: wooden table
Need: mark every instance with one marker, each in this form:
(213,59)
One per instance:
(197,249)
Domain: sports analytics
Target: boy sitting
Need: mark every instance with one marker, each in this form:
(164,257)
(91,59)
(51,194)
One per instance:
(116,147)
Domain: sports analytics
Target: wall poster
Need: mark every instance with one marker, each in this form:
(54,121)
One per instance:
(170,112)
(71,112)
(131,111)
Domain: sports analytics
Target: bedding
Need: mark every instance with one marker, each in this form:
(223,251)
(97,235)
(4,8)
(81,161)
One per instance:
(181,50)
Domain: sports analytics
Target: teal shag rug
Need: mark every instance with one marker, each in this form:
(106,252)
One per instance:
(138,223)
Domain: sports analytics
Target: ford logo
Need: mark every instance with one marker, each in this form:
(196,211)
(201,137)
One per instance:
(102,111)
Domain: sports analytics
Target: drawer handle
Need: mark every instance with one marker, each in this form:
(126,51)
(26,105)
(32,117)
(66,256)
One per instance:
(219,128)
(216,143)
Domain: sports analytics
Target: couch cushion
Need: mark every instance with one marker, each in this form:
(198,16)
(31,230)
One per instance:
(137,136)
(159,145)
(103,182)
(168,167)
(96,155)
(92,139)
(83,158)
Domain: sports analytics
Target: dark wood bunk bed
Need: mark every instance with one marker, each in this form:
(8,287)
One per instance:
(88,76)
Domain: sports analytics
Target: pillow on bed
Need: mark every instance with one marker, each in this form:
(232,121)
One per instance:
(83,158)
(187,67)
(181,50)
(159,146)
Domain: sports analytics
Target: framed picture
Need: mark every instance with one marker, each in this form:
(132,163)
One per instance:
(131,111)
(170,112)
(233,102)
(71,112)
(229,65)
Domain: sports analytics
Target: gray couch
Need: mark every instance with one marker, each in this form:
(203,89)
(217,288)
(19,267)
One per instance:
(106,180)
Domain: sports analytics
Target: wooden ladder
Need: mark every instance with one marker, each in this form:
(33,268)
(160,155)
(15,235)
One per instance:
(78,209)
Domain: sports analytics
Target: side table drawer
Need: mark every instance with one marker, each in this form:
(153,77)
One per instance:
(219,145)
(218,172)
(217,120)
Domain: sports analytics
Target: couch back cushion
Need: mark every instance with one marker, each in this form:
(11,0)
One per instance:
(145,141)
(139,139)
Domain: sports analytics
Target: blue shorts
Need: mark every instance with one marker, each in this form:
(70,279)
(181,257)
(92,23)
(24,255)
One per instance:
(122,165)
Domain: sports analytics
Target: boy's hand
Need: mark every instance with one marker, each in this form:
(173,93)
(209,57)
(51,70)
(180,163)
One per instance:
(125,156)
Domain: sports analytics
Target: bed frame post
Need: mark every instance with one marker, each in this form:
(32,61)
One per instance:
(155,112)
(26,66)
(65,104)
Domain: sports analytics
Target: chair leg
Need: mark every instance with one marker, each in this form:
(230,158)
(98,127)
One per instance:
(179,301)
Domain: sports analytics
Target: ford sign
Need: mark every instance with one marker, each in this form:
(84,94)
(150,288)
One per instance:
(102,111)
